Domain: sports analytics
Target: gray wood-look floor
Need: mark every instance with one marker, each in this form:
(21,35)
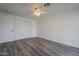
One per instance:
(36,47)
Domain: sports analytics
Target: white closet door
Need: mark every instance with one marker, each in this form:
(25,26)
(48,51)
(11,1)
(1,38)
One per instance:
(6,30)
(28,28)
(22,28)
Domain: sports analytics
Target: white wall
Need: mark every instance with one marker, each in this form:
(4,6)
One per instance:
(62,28)
(7,22)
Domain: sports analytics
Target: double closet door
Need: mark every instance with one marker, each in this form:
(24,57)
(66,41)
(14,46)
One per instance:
(14,28)
(22,28)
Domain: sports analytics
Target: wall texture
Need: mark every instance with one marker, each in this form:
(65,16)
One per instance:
(62,28)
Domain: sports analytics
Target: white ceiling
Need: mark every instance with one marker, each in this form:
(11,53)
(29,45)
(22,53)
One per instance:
(24,9)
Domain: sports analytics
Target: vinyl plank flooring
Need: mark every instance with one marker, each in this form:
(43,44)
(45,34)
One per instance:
(36,47)
(41,47)
(22,48)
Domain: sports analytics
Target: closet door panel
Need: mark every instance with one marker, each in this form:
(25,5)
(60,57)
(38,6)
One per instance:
(6,24)
(28,28)
(22,28)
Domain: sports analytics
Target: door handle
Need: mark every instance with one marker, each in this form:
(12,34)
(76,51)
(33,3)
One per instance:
(12,30)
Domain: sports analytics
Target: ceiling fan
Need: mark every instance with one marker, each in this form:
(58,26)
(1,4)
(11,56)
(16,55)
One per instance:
(40,9)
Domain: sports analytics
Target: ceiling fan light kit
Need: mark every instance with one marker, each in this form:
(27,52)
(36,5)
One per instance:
(39,10)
